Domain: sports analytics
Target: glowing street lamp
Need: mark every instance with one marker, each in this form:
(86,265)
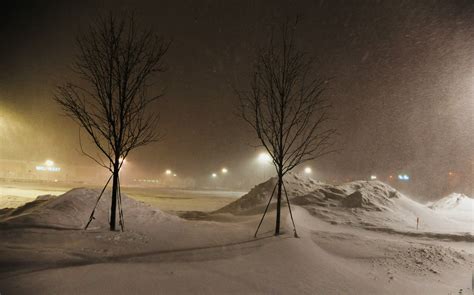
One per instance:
(308,170)
(168,172)
(264,158)
(214,175)
(224,170)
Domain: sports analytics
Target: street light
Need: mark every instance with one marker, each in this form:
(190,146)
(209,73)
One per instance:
(224,170)
(264,158)
(168,172)
(214,175)
(403,177)
(308,170)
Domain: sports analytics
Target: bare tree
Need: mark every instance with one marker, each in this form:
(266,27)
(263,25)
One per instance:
(286,108)
(115,63)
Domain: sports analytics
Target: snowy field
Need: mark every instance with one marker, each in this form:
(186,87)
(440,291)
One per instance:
(13,195)
(356,238)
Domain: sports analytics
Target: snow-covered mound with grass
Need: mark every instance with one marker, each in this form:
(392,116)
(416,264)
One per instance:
(72,210)
(369,204)
(454,201)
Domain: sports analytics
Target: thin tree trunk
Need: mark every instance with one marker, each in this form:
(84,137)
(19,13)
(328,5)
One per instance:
(280,183)
(113,206)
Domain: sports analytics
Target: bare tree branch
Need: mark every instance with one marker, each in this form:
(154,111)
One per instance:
(115,63)
(285,105)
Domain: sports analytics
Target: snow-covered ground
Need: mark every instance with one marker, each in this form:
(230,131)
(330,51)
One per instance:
(13,195)
(356,238)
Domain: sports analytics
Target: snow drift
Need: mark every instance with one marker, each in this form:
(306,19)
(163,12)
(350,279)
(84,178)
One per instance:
(369,204)
(72,210)
(454,201)
(373,195)
(295,186)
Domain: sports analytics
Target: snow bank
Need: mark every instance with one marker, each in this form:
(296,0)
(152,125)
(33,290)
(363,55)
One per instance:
(457,207)
(258,196)
(373,195)
(454,201)
(72,210)
(369,204)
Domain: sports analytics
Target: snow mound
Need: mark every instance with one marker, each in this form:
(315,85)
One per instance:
(454,201)
(371,205)
(367,195)
(358,194)
(45,197)
(72,210)
(258,196)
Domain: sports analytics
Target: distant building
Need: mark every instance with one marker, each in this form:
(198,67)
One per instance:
(48,171)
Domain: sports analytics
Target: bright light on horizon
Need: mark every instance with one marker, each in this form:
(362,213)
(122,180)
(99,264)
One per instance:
(373,177)
(264,158)
(403,177)
(224,170)
(168,172)
(49,163)
(308,170)
(214,175)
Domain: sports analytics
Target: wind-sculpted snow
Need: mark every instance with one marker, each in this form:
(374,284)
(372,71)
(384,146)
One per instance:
(369,195)
(368,204)
(454,201)
(72,210)
(259,195)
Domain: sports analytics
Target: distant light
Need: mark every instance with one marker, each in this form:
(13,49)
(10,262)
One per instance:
(391,177)
(49,163)
(264,158)
(168,172)
(373,177)
(224,170)
(403,177)
(450,173)
(48,168)
(308,170)
(175,175)
(214,175)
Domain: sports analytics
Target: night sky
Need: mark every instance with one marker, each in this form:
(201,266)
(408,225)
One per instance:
(403,88)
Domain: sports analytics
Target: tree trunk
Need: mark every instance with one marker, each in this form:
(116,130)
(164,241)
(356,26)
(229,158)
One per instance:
(280,184)
(113,206)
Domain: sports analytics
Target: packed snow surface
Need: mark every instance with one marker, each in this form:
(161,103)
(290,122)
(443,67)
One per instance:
(45,251)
